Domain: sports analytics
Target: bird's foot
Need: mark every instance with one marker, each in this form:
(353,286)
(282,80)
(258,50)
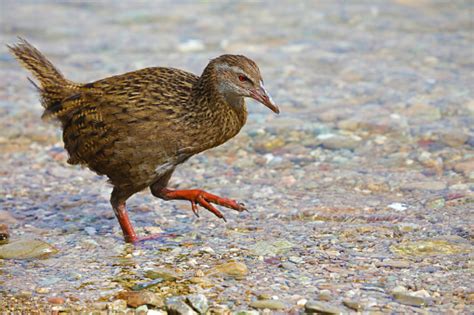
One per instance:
(151,237)
(204,199)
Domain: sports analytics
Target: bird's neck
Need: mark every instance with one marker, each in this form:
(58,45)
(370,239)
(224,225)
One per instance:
(212,103)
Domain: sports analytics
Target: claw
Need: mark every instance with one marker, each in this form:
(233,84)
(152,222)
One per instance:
(194,208)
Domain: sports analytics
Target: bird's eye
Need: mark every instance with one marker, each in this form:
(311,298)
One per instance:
(242,78)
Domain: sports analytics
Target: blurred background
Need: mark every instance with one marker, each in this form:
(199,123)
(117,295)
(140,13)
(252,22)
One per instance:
(370,162)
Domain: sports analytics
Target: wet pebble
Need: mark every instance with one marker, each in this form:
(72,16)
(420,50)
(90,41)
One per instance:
(198,302)
(427,185)
(234,269)
(56,300)
(26,249)
(336,142)
(135,299)
(269,304)
(407,299)
(321,308)
(176,306)
(427,248)
(353,304)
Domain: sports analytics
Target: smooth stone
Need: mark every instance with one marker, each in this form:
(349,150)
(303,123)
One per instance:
(430,185)
(56,300)
(156,312)
(454,138)
(437,203)
(271,248)
(143,309)
(26,249)
(409,299)
(198,302)
(270,304)
(321,308)
(176,306)
(117,305)
(354,305)
(465,167)
(135,299)
(162,273)
(234,269)
(324,295)
(427,248)
(336,142)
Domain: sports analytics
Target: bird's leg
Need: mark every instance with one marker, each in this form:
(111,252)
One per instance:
(127,228)
(118,204)
(199,197)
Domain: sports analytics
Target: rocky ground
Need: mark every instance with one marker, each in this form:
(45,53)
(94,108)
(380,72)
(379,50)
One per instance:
(360,192)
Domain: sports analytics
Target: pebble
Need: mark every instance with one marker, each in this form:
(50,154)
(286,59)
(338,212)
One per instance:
(269,304)
(56,300)
(7,218)
(143,309)
(271,248)
(427,248)
(42,290)
(321,308)
(428,185)
(26,249)
(234,269)
(409,299)
(198,302)
(296,259)
(436,203)
(336,142)
(117,305)
(135,299)
(325,295)
(397,206)
(162,273)
(176,305)
(465,167)
(354,305)
(454,138)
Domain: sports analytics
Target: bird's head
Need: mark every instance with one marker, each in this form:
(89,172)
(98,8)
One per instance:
(239,76)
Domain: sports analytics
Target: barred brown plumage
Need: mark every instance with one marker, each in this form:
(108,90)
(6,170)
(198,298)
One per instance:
(136,127)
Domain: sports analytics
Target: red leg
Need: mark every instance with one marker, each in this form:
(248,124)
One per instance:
(120,209)
(204,199)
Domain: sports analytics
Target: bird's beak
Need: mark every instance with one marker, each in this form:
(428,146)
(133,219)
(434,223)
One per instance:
(261,95)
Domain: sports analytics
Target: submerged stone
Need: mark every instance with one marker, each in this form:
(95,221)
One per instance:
(27,249)
(410,299)
(271,248)
(270,304)
(198,302)
(175,305)
(427,248)
(321,308)
(234,269)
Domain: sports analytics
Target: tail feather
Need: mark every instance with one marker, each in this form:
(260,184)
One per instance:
(53,86)
(33,60)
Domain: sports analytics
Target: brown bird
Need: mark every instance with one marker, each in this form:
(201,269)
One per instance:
(136,127)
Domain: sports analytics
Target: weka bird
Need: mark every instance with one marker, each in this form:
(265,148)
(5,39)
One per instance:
(138,126)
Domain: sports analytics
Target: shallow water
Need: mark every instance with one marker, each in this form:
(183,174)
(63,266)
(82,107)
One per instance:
(362,185)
